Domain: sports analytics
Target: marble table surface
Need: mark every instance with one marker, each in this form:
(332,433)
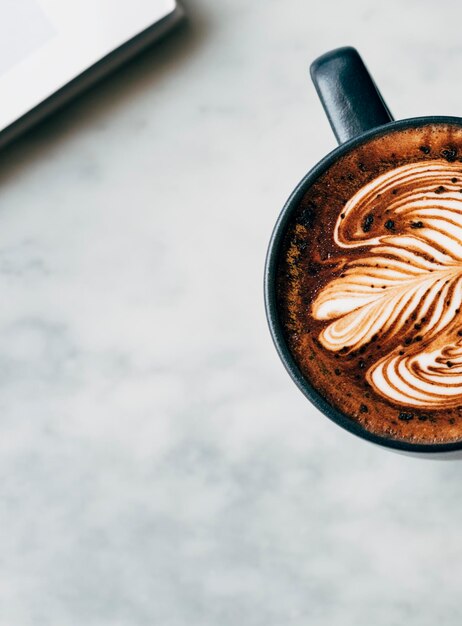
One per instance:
(158,467)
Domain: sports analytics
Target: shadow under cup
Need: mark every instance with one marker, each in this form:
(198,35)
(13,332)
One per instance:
(355,128)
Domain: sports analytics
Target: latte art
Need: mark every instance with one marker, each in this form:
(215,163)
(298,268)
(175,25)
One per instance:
(405,289)
(423,379)
(369,284)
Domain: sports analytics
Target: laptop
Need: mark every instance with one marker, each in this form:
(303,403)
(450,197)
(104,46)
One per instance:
(51,50)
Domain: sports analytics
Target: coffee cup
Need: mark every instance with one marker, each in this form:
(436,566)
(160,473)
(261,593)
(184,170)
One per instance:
(359,117)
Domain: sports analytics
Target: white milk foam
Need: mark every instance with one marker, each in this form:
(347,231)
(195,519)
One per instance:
(416,272)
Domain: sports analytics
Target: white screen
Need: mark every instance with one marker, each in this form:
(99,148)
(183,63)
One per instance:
(44,44)
(24,27)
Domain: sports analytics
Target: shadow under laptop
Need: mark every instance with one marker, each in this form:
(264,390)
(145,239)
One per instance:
(144,72)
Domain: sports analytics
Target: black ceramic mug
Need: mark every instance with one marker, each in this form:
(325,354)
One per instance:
(357,113)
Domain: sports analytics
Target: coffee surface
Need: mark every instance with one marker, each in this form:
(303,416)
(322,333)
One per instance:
(370,284)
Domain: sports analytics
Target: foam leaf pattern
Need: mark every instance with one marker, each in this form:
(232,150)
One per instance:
(408,279)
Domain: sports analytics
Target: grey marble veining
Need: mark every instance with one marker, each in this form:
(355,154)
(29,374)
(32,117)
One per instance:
(157,465)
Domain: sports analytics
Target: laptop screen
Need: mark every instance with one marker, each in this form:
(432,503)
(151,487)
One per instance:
(46,43)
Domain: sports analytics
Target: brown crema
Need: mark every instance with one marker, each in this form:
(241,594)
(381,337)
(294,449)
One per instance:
(369,284)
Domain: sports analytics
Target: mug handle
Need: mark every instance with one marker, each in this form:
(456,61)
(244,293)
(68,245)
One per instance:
(350,98)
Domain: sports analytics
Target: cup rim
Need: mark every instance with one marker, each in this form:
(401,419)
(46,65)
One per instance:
(271,308)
